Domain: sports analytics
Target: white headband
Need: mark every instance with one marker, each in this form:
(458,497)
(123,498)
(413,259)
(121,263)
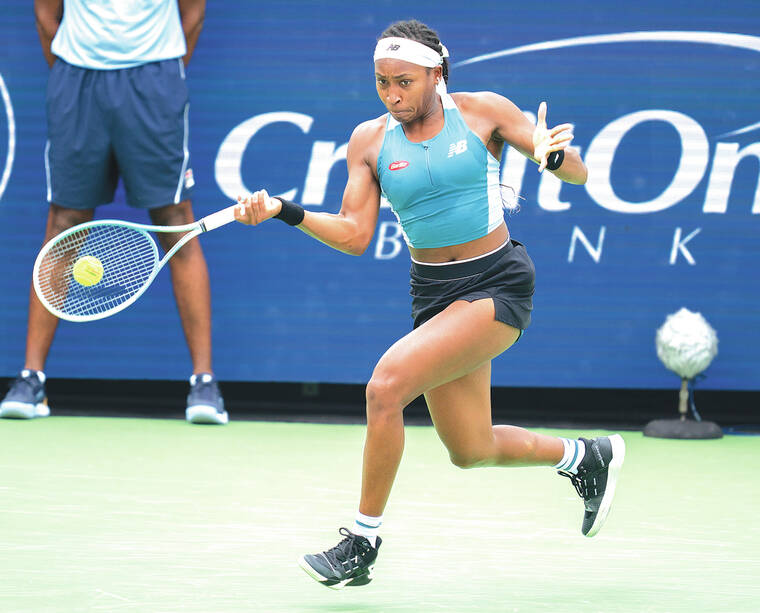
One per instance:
(409,51)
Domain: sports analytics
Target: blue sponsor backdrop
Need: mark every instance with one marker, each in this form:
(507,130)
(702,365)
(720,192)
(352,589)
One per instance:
(664,100)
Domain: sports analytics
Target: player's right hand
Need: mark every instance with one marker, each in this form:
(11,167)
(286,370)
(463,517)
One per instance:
(252,210)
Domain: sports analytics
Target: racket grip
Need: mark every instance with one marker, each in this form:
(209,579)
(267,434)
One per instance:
(218,219)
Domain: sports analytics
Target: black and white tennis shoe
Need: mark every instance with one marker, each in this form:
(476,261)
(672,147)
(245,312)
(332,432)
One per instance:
(348,564)
(596,479)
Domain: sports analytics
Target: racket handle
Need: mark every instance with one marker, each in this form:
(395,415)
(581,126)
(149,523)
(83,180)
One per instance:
(218,219)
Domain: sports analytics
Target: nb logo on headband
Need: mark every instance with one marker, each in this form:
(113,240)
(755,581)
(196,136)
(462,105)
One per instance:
(393,47)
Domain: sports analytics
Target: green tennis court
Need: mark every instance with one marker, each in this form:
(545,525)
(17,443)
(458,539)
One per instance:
(109,514)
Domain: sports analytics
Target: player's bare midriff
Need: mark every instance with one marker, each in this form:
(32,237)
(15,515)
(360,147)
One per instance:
(463,251)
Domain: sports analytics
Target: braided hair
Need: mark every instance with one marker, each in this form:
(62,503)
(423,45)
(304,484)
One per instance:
(419,32)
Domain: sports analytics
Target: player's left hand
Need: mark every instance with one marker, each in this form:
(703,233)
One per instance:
(252,210)
(545,140)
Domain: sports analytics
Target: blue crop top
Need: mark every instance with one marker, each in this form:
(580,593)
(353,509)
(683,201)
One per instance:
(443,191)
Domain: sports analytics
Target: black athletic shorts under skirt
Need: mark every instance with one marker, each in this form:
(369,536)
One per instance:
(506,275)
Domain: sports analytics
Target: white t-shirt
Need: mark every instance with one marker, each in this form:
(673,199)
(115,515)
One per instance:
(113,34)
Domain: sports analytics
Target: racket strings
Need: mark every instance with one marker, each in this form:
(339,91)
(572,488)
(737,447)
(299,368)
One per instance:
(128,257)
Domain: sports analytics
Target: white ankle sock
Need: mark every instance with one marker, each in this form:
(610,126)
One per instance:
(574,452)
(367,526)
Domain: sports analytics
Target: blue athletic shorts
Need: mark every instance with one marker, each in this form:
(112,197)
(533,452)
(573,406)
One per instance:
(105,124)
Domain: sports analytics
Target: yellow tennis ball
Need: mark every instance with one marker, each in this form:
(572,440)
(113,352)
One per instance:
(88,270)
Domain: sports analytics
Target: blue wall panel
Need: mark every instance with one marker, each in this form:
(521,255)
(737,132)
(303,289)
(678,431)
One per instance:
(664,101)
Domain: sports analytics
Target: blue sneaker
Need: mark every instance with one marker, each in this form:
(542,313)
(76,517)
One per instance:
(26,397)
(205,404)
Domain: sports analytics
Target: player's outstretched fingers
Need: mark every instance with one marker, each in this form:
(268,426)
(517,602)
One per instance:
(262,200)
(563,127)
(243,210)
(541,115)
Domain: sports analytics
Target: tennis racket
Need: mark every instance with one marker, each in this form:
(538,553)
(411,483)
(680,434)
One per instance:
(123,263)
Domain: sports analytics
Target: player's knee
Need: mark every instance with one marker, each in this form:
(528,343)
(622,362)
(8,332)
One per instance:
(468,459)
(382,396)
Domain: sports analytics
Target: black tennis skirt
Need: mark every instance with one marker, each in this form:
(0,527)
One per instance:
(507,276)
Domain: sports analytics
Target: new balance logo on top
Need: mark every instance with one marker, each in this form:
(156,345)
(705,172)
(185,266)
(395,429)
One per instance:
(393,47)
(457,148)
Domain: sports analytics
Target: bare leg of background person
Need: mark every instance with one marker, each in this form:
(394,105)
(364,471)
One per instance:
(42,324)
(191,284)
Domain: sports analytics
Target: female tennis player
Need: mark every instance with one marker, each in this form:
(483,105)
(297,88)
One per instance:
(435,157)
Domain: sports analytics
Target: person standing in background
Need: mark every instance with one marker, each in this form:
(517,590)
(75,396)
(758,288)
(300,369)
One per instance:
(117,107)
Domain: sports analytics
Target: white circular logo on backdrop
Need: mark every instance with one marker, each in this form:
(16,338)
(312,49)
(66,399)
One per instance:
(8,165)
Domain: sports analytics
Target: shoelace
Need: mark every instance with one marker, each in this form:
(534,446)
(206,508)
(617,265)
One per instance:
(581,484)
(344,551)
(576,481)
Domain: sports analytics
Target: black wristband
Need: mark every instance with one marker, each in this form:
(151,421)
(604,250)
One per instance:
(291,213)
(555,159)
